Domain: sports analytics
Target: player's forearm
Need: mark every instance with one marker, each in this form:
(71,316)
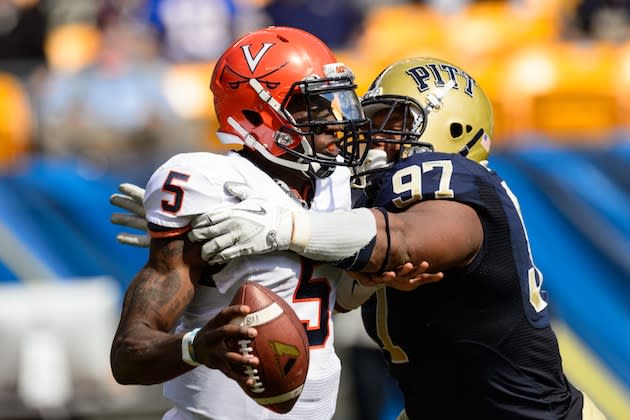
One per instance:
(366,240)
(394,239)
(143,356)
(143,350)
(390,248)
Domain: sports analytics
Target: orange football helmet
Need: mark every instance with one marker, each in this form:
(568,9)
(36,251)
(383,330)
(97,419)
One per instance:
(275,89)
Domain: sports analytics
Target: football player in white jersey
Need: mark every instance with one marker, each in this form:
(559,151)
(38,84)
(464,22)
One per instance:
(281,93)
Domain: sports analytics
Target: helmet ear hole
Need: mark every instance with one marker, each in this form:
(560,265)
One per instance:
(468,129)
(456,130)
(253,117)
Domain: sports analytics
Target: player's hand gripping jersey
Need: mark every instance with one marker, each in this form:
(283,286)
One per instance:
(455,346)
(190,184)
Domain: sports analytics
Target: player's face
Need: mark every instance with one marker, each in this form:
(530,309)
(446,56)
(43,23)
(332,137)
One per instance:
(328,136)
(395,123)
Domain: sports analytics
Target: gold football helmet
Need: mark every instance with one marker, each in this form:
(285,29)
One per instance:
(427,104)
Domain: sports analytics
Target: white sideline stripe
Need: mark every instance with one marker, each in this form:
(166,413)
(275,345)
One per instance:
(20,260)
(280,398)
(262,316)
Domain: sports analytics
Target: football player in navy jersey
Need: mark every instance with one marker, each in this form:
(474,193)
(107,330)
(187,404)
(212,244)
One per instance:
(477,343)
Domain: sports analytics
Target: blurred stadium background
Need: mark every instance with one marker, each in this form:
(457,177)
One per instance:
(93,93)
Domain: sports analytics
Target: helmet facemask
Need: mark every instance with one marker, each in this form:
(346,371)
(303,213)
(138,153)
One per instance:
(397,126)
(324,106)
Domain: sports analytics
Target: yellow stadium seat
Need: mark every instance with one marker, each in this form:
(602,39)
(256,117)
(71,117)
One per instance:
(478,38)
(623,86)
(565,91)
(470,33)
(490,28)
(16,120)
(391,32)
(71,47)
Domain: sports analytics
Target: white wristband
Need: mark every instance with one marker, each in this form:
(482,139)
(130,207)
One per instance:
(188,353)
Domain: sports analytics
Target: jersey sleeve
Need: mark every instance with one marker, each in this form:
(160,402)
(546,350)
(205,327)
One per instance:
(178,191)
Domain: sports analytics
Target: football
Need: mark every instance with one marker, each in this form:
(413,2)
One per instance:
(281,346)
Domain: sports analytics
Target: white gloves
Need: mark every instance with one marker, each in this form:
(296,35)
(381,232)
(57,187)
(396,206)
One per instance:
(256,226)
(252,226)
(130,199)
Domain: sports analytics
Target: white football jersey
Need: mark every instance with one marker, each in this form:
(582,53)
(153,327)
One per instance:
(192,183)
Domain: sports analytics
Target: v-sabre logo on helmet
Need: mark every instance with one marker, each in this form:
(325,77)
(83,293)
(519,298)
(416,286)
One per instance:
(252,62)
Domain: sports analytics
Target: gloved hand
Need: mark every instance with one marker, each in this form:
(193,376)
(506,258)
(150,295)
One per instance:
(130,199)
(253,226)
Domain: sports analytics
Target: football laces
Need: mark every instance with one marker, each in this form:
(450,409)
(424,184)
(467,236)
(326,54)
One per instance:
(246,350)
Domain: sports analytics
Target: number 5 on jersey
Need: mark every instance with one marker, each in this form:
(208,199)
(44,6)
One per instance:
(171,186)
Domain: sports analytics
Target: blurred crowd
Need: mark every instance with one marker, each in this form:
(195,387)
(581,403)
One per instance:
(123,83)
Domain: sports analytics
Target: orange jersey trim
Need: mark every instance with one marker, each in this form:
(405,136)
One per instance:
(170,233)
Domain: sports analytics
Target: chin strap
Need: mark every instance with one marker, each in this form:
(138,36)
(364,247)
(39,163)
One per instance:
(265,95)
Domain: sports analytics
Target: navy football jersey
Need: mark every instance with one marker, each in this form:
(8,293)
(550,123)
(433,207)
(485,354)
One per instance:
(478,344)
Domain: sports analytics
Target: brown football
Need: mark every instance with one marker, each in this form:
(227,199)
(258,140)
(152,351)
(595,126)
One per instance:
(281,346)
